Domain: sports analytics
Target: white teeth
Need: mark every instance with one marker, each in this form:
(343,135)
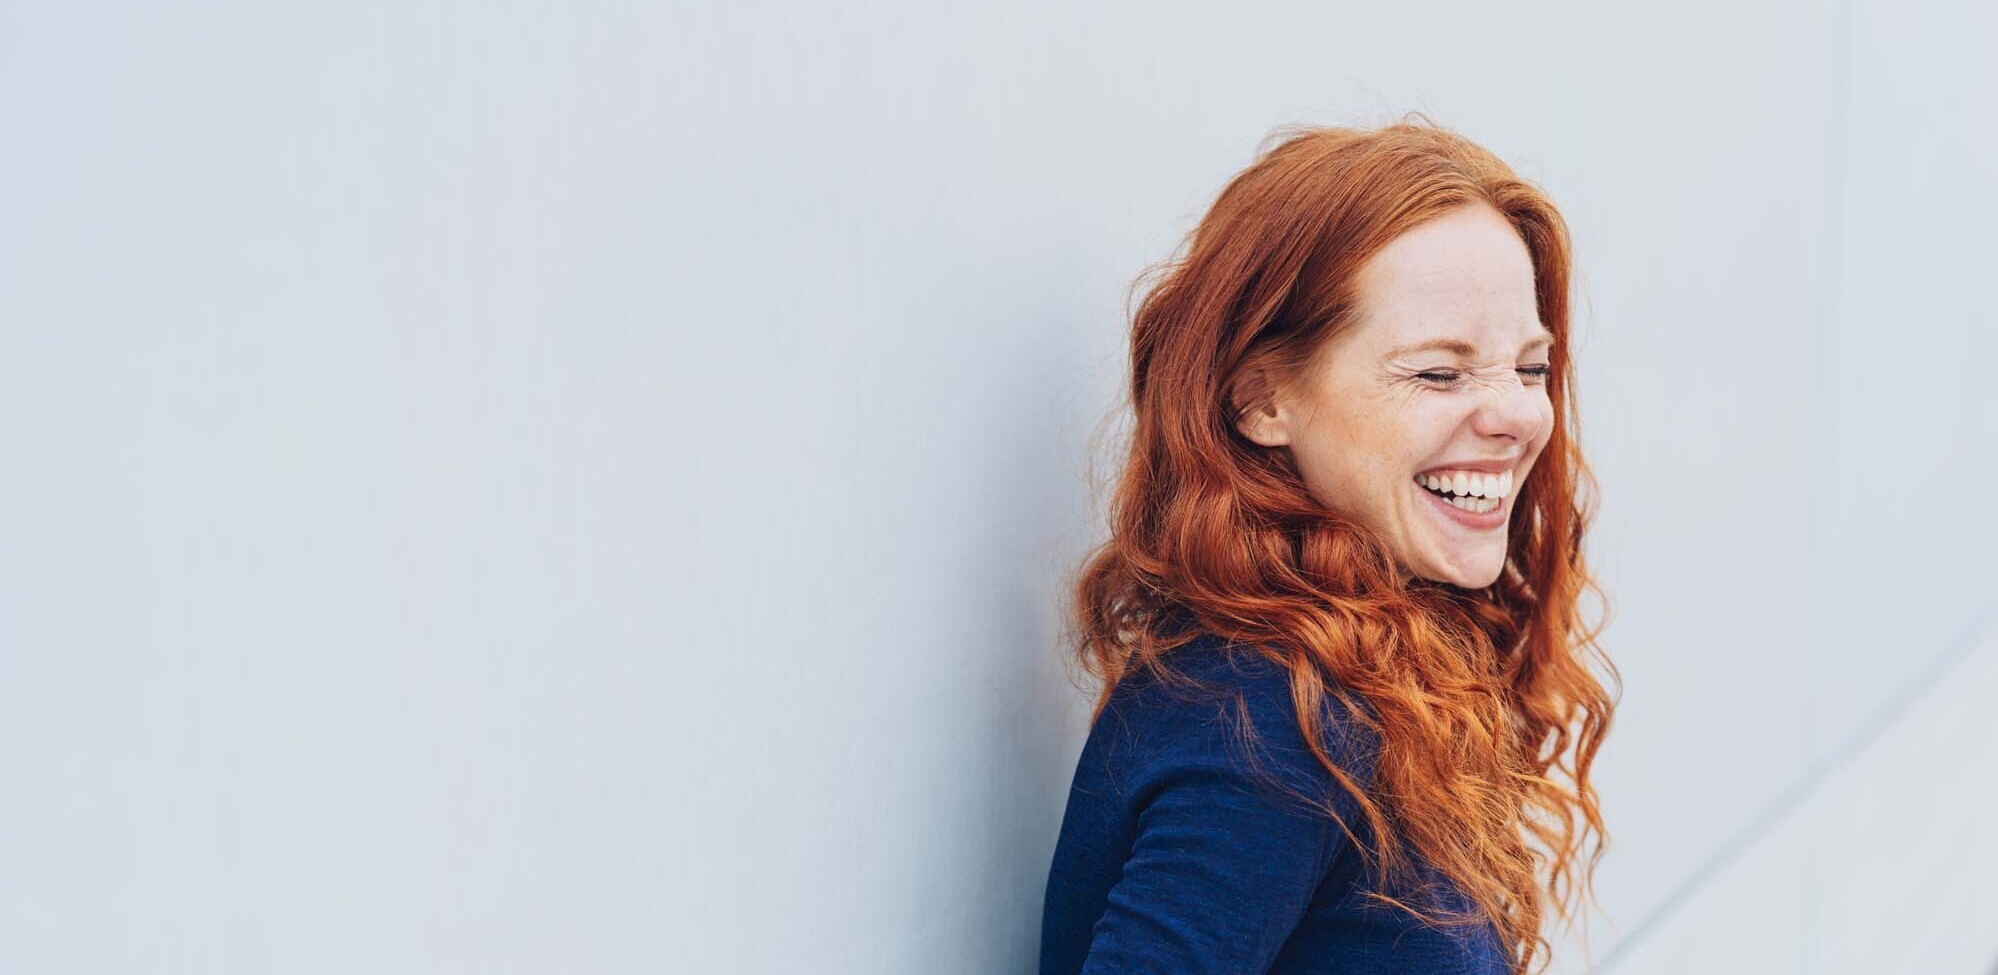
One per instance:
(1469,484)
(1477,505)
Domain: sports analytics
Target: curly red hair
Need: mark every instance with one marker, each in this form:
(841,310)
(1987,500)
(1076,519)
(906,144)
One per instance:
(1486,710)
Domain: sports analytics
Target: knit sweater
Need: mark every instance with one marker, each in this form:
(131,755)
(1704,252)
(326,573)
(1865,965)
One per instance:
(1176,856)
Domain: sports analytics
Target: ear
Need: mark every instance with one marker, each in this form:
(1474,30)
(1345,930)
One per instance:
(1262,412)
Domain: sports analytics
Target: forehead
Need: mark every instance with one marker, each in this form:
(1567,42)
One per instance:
(1466,275)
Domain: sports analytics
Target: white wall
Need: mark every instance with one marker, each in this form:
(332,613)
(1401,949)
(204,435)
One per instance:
(585,487)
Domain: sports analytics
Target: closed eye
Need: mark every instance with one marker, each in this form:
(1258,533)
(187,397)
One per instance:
(1445,377)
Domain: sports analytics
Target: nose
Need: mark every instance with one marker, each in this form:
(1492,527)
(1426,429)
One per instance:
(1512,409)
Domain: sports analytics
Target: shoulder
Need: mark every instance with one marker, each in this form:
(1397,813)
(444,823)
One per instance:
(1232,702)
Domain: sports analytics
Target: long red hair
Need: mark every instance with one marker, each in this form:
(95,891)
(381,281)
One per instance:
(1486,710)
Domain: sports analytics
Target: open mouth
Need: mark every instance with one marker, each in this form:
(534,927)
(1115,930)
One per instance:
(1469,492)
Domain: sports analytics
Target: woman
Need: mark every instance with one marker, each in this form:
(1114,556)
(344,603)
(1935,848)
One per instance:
(1347,716)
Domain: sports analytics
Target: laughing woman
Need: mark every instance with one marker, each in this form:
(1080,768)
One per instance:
(1347,711)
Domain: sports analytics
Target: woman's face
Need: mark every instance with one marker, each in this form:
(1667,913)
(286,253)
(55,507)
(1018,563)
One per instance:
(1441,381)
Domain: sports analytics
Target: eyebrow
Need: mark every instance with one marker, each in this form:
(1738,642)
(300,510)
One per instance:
(1462,348)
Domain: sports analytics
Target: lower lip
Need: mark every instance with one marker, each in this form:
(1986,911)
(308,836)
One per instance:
(1494,518)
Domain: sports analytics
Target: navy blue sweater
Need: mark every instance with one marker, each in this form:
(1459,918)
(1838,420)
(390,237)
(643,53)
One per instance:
(1176,857)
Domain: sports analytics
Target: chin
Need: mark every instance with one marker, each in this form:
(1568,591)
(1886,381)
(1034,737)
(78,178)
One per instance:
(1473,577)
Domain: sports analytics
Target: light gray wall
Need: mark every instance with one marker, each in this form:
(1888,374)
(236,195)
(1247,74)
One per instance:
(586,487)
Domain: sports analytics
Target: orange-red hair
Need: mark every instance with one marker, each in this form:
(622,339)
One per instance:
(1483,701)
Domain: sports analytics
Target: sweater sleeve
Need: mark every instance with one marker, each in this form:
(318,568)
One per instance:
(1223,866)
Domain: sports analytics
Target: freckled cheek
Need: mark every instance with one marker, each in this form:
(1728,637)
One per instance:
(1540,439)
(1428,427)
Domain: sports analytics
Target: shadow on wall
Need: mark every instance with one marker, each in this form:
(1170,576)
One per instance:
(1024,716)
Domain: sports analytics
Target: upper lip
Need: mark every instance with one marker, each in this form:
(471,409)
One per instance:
(1482,466)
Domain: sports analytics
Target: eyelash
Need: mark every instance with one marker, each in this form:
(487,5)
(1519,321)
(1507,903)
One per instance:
(1450,378)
